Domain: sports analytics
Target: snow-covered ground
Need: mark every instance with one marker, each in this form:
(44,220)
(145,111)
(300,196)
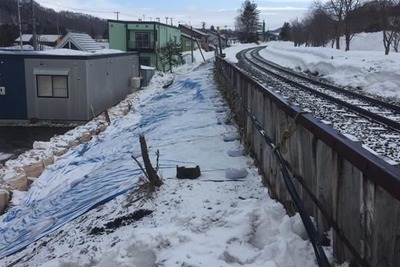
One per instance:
(216,220)
(87,208)
(364,67)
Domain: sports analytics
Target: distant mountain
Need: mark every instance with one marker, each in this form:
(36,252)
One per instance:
(47,21)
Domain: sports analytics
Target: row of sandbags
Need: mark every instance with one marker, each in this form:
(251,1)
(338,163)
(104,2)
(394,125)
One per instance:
(20,173)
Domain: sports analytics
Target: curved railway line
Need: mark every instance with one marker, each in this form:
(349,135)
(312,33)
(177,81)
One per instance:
(372,122)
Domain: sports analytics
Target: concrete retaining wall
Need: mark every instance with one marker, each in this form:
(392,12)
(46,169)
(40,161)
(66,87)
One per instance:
(342,185)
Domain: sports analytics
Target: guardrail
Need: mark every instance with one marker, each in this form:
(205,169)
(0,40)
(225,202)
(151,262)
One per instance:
(342,185)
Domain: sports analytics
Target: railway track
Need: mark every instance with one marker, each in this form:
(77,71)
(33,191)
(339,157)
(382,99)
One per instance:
(372,122)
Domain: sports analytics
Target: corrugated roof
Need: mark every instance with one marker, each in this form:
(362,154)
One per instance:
(82,41)
(24,37)
(188,36)
(43,37)
(51,38)
(193,29)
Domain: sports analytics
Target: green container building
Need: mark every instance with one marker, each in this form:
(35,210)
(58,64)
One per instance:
(146,37)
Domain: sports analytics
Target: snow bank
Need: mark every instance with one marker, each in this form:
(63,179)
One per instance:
(369,70)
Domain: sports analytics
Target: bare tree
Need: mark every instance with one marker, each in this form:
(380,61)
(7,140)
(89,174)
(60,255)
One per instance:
(388,35)
(342,12)
(286,32)
(389,23)
(319,26)
(335,10)
(348,10)
(396,41)
(297,32)
(394,21)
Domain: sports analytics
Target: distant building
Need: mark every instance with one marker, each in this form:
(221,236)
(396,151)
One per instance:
(26,39)
(79,41)
(59,87)
(146,37)
(197,34)
(188,42)
(43,39)
(269,36)
(213,37)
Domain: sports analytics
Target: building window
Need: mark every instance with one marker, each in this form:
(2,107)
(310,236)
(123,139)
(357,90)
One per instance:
(52,86)
(144,61)
(142,40)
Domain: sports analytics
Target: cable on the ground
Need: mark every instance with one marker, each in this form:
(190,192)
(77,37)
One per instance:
(308,224)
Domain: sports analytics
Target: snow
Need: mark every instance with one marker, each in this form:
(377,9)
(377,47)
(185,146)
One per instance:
(90,208)
(70,52)
(364,67)
(236,48)
(4,156)
(144,67)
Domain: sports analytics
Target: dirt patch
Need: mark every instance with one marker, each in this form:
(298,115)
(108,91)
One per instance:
(120,221)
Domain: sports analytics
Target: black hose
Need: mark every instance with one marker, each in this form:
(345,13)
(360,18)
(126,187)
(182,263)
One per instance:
(308,225)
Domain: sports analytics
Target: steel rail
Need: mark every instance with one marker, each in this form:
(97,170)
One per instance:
(393,107)
(363,112)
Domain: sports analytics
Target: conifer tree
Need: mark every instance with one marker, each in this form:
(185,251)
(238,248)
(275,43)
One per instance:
(170,55)
(247,22)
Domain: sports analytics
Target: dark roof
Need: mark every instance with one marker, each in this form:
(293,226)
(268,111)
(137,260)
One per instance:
(192,29)
(188,36)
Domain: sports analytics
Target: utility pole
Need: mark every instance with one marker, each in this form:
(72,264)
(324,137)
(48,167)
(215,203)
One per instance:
(171,20)
(58,27)
(35,44)
(19,25)
(166,20)
(263,30)
(219,41)
(117,12)
(191,42)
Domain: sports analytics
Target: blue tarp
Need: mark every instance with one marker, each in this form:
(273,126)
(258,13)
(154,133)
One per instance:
(92,173)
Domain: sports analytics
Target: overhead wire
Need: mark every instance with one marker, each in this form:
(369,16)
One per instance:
(76,9)
(83,10)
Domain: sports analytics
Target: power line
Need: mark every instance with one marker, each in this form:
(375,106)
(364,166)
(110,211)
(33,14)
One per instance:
(78,9)
(89,10)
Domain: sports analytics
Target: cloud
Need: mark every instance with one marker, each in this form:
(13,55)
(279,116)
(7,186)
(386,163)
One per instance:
(286,8)
(275,12)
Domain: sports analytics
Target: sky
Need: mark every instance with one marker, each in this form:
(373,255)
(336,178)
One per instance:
(224,218)
(192,12)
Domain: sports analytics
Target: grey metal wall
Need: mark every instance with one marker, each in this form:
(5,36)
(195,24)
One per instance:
(108,80)
(72,108)
(95,81)
(342,185)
